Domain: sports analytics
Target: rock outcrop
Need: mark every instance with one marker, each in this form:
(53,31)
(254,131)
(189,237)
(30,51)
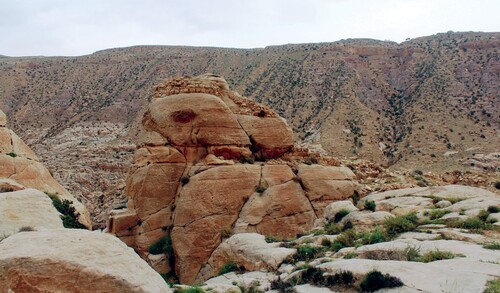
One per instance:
(27,208)
(73,260)
(211,163)
(20,165)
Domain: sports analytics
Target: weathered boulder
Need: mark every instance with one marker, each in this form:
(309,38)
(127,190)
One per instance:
(324,184)
(333,208)
(27,208)
(195,179)
(247,250)
(73,260)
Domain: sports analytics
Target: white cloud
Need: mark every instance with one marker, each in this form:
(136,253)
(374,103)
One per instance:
(57,27)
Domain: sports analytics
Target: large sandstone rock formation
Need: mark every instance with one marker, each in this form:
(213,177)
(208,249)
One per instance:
(20,165)
(194,177)
(73,260)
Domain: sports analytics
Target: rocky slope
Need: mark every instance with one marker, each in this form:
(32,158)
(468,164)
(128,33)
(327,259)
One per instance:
(427,103)
(438,239)
(20,169)
(211,163)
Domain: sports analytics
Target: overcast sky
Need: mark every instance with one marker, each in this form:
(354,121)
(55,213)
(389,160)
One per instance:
(78,27)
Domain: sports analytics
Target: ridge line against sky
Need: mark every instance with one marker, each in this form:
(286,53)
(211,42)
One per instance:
(72,28)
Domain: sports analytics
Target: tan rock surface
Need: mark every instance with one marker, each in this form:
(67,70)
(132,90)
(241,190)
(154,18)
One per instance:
(272,136)
(73,260)
(248,250)
(3,119)
(199,183)
(324,184)
(208,205)
(194,119)
(10,143)
(27,208)
(282,210)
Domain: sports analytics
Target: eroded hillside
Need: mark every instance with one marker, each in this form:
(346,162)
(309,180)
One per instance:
(428,103)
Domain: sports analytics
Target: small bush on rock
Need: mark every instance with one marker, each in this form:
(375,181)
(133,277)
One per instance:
(400,224)
(370,205)
(260,189)
(12,155)
(340,215)
(230,267)
(436,255)
(493,209)
(184,180)
(69,215)
(495,246)
(308,253)
(341,278)
(493,286)
(191,290)
(375,280)
(163,245)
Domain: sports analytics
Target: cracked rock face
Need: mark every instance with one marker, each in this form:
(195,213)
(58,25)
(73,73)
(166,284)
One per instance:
(188,180)
(20,164)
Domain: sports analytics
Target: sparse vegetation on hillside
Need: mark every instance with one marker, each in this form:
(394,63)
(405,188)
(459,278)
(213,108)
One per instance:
(69,215)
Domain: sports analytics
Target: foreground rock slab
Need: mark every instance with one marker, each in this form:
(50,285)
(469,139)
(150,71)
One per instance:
(71,260)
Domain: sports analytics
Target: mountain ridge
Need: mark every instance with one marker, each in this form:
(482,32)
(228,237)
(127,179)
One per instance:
(429,103)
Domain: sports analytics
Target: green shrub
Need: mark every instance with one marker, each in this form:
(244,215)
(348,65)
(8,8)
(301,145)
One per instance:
(195,289)
(472,223)
(412,253)
(493,209)
(436,255)
(271,239)
(69,216)
(400,224)
(163,245)
(312,276)
(495,246)
(375,237)
(497,185)
(229,267)
(351,255)
(493,286)
(326,242)
(184,180)
(483,215)
(170,278)
(282,286)
(260,189)
(375,280)
(340,278)
(347,225)
(437,214)
(345,239)
(370,205)
(340,215)
(12,155)
(307,253)
(333,229)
